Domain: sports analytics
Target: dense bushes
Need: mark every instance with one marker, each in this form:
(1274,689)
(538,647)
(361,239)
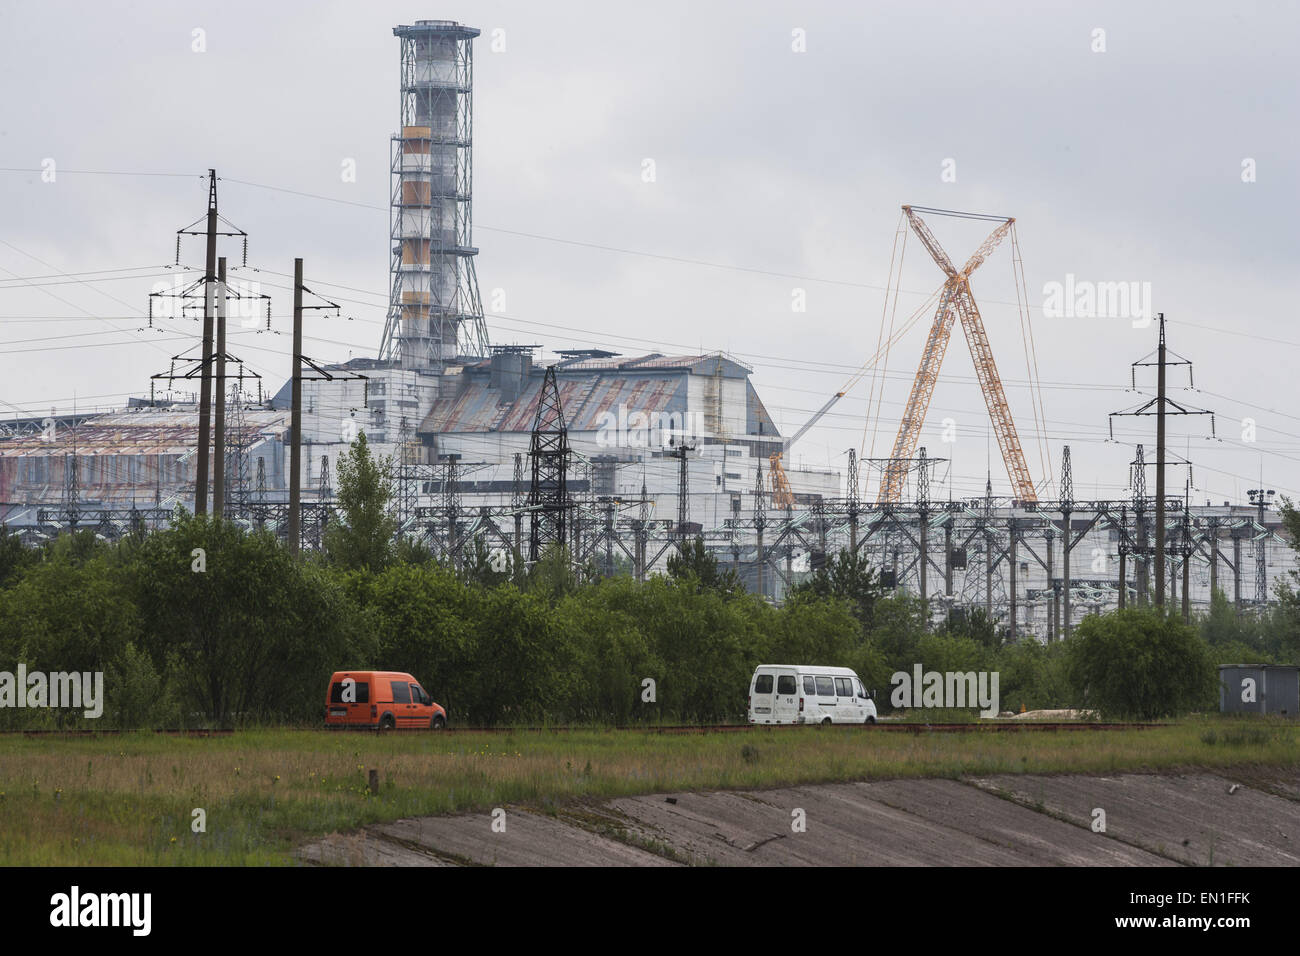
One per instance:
(206,623)
(1141,663)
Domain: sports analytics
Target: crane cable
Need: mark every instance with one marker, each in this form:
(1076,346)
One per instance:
(894,337)
(889,285)
(1031,358)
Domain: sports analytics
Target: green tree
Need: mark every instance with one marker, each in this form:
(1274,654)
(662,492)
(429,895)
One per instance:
(15,558)
(1033,676)
(479,566)
(899,621)
(849,577)
(695,563)
(1140,663)
(246,630)
(66,614)
(1287,614)
(363,536)
(975,624)
(551,575)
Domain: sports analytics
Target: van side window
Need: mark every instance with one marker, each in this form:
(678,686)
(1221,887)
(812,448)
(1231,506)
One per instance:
(858,685)
(825,687)
(362,691)
(810,687)
(763,684)
(785,684)
(418,695)
(843,688)
(401,692)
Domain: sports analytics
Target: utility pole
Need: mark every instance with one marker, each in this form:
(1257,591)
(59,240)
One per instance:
(854,501)
(295,416)
(517,503)
(642,529)
(295,391)
(923,521)
(1160,467)
(219,440)
(1012,531)
(203,370)
(1187,551)
(1162,403)
(760,522)
(1067,535)
(205,393)
(1123,558)
(1142,563)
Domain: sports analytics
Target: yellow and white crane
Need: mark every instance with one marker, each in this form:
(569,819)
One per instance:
(954,300)
(782,496)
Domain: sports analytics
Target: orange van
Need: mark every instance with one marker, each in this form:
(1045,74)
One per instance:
(380,700)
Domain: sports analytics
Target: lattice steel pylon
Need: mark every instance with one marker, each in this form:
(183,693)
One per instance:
(956,300)
(548,495)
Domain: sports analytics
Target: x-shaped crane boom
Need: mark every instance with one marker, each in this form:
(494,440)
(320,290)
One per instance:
(956,300)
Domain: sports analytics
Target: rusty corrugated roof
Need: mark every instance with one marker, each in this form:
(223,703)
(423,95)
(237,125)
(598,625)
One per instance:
(136,433)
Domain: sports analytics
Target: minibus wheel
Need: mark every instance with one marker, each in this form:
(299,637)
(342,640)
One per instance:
(438,722)
(387,722)
(826,722)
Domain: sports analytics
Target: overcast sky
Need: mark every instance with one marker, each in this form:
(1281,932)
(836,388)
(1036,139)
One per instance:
(1148,143)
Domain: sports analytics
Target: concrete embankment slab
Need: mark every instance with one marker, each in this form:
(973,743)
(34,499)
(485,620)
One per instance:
(891,823)
(1197,819)
(523,838)
(1016,820)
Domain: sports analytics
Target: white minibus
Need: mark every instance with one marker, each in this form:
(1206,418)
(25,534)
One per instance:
(808,694)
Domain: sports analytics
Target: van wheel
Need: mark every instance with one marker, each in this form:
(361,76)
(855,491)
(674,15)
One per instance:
(871,720)
(438,722)
(826,722)
(387,722)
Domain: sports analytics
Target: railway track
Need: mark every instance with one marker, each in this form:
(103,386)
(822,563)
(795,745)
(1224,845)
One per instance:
(915,727)
(886,726)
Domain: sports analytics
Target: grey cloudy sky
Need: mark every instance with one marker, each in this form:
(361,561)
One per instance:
(1122,165)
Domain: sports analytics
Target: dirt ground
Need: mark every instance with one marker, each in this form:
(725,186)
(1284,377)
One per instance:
(1197,819)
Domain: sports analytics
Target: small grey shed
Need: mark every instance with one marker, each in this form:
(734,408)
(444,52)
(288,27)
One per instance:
(1259,689)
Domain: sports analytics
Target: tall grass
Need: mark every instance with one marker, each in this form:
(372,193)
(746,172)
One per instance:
(130,799)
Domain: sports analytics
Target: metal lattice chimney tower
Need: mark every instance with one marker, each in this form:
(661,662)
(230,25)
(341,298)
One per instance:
(434,310)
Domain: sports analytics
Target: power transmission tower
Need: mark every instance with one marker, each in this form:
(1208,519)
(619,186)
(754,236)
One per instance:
(72,487)
(854,501)
(683,492)
(210,232)
(1163,406)
(1260,498)
(549,453)
(517,505)
(1140,508)
(240,441)
(451,506)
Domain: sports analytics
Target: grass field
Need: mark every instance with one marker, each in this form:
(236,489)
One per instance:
(129,799)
